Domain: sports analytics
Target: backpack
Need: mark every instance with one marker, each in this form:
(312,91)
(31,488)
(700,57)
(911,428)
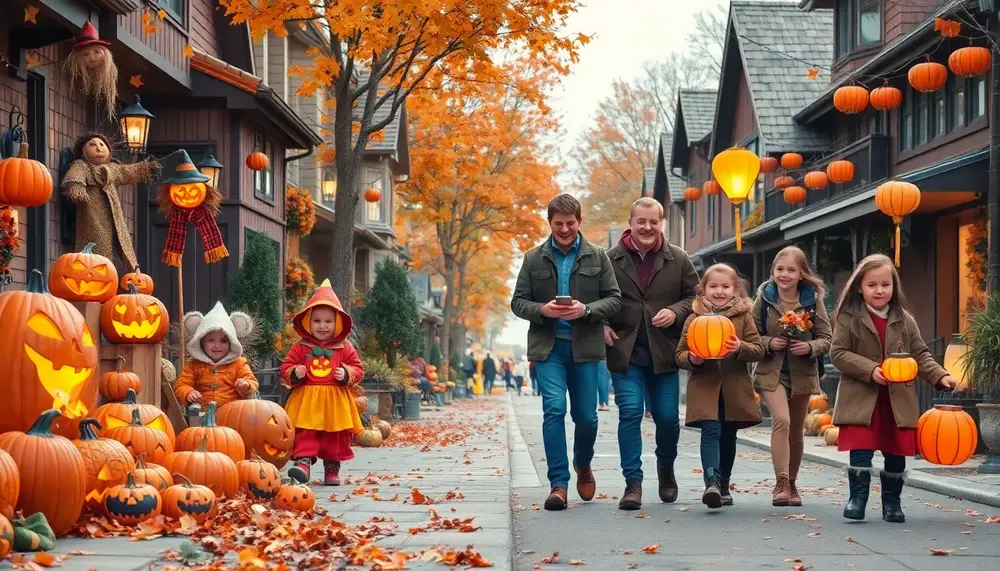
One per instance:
(820,359)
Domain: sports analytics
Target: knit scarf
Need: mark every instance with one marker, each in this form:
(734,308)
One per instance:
(208,230)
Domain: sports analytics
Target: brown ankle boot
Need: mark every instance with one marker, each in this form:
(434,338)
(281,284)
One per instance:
(586,485)
(632,498)
(556,500)
(794,499)
(780,495)
(667,484)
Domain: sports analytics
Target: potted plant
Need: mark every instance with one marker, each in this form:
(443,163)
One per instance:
(982,368)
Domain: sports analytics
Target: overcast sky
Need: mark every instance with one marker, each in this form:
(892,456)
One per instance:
(624,34)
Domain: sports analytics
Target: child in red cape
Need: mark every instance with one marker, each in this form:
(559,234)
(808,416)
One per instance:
(320,369)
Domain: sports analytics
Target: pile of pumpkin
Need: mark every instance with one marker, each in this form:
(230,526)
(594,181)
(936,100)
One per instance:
(819,421)
(376,431)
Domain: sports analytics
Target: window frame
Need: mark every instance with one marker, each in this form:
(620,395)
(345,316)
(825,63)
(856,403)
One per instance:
(375,177)
(179,19)
(263,181)
(960,98)
(692,214)
(847,28)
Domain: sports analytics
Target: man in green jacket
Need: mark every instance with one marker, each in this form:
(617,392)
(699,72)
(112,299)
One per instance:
(567,290)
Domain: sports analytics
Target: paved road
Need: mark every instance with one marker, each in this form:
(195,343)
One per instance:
(750,535)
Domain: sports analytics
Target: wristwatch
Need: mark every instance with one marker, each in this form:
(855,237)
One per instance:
(586,312)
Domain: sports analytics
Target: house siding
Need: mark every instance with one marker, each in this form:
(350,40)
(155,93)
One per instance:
(899,17)
(202,26)
(276,210)
(744,122)
(168,40)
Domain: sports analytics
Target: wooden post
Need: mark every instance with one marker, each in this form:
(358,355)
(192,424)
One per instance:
(143,360)
(181,350)
(91,311)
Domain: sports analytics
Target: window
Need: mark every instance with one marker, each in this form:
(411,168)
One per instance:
(263,181)
(670,220)
(709,211)
(853,129)
(906,121)
(692,217)
(977,98)
(175,8)
(869,21)
(858,25)
(374,210)
(957,102)
(876,123)
(922,117)
(843,29)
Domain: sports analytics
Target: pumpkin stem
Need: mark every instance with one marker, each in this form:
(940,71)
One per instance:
(130,483)
(136,418)
(36,283)
(286,481)
(22,153)
(203,445)
(254,395)
(87,428)
(89,248)
(183,480)
(140,461)
(209,420)
(132,290)
(130,397)
(43,426)
(256,457)
(121,364)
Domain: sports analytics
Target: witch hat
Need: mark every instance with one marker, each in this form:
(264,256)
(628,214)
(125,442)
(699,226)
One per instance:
(323,296)
(185,172)
(88,37)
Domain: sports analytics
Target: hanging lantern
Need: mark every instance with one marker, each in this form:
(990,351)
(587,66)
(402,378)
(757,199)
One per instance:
(897,199)
(970,61)
(736,169)
(946,435)
(711,188)
(795,195)
(791,161)
(692,193)
(134,124)
(927,77)
(885,98)
(768,164)
(954,361)
(899,367)
(816,180)
(210,168)
(372,194)
(257,161)
(783,181)
(850,99)
(840,171)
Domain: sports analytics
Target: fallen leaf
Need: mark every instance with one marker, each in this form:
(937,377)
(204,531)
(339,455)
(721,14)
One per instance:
(550,559)
(149,29)
(936,551)
(30,13)
(814,534)
(994,519)
(161,13)
(576,562)
(813,73)
(642,515)
(651,548)
(136,81)
(794,560)
(44,559)
(31,59)
(188,51)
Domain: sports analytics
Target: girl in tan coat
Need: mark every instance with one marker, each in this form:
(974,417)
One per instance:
(871,321)
(788,376)
(720,397)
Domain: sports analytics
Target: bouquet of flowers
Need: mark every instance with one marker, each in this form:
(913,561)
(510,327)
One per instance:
(795,323)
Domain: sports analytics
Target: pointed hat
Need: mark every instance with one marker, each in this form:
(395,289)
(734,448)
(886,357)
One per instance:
(88,37)
(185,172)
(323,296)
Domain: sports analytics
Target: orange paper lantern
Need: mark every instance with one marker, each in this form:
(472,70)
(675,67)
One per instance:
(899,368)
(783,181)
(257,161)
(885,98)
(791,160)
(795,194)
(712,188)
(927,77)
(840,172)
(946,435)
(897,199)
(692,193)
(707,335)
(816,180)
(372,194)
(850,99)
(970,61)
(768,164)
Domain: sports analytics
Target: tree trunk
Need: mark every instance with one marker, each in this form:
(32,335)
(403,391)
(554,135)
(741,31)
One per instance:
(446,311)
(458,336)
(345,204)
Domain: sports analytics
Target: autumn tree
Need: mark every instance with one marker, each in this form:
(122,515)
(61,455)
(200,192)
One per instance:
(377,53)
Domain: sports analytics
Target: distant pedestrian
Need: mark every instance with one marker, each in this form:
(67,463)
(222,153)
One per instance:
(508,374)
(489,373)
(788,375)
(871,320)
(720,397)
(533,373)
(521,375)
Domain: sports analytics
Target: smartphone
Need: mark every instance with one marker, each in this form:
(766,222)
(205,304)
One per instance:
(564,300)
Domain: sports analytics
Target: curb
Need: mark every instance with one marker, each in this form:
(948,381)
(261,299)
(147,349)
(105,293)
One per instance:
(914,477)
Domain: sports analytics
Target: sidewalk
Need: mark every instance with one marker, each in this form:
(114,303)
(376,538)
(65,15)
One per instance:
(960,482)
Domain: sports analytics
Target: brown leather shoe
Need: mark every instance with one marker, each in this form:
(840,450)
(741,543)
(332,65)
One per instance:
(556,500)
(586,485)
(794,499)
(667,484)
(632,498)
(781,496)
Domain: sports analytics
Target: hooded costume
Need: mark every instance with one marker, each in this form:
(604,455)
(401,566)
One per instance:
(322,408)
(215,380)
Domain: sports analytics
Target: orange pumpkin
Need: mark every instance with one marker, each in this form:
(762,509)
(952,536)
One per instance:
(217,438)
(816,180)
(384,427)
(264,426)
(212,469)
(143,282)
(134,318)
(116,384)
(152,474)
(372,194)
(53,476)
(791,160)
(257,161)
(139,439)
(107,462)
(946,435)
(707,335)
(850,99)
(116,414)
(970,61)
(783,181)
(692,193)
(886,98)
(795,194)
(832,435)
(819,402)
(899,368)
(6,537)
(83,276)
(187,498)
(822,420)
(259,478)
(712,188)
(370,437)
(295,497)
(927,77)
(840,172)
(768,164)
(24,181)
(361,402)
(10,484)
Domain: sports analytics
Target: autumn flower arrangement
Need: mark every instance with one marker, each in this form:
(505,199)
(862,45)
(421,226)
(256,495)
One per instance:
(795,323)
(299,282)
(9,243)
(976,245)
(300,212)
(286,338)
(756,217)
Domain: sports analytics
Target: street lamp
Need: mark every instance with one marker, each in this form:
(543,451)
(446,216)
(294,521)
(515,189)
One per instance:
(134,122)
(329,190)
(211,168)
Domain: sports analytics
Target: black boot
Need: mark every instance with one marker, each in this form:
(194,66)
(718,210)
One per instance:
(712,496)
(859,481)
(727,497)
(892,489)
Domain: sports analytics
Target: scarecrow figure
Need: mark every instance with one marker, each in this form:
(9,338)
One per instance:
(92,68)
(184,198)
(92,183)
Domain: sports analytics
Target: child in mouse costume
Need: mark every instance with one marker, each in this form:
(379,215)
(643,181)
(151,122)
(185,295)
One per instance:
(217,370)
(321,369)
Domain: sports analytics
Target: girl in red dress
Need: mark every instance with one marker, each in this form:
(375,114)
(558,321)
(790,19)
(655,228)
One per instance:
(871,321)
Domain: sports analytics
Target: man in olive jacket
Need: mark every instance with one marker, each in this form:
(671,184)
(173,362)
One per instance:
(566,340)
(657,281)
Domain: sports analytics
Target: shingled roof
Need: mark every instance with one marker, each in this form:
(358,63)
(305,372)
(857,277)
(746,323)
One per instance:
(648,175)
(663,179)
(390,143)
(697,110)
(776,42)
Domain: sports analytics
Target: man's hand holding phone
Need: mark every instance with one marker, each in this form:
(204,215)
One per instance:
(563,307)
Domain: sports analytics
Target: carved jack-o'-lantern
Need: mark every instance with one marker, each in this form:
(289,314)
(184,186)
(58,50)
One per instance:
(83,276)
(264,425)
(49,359)
(143,282)
(132,503)
(152,474)
(107,462)
(118,414)
(188,195)
(187,498)
(319,363)
(133,318)
(296,497)
(259,478)
(140,439)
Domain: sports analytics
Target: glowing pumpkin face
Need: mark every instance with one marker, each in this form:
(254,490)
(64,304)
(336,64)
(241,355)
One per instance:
(319,363)
(83,276)
(119,414)
(143,282)
(188,195)
(56,360)
(134,318)
(265,427)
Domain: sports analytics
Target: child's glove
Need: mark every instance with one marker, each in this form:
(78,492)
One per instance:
(243,387)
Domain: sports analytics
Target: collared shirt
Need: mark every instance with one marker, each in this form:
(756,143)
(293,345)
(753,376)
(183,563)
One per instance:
(564,267)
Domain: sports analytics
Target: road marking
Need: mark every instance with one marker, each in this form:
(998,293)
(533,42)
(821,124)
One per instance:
(522,469)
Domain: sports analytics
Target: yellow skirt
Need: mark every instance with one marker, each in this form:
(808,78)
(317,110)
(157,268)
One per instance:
(323,407)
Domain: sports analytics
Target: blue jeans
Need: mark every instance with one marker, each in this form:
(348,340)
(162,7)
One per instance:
(557,374)
(631,388)
(603,380)
(863,459)
(718,446)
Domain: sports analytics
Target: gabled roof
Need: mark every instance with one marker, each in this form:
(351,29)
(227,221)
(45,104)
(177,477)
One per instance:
(696,108)
(774,42)
(390,143)
(648,174)
(667,187)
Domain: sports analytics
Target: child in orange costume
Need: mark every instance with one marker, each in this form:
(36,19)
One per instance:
(320,369)
(216,370)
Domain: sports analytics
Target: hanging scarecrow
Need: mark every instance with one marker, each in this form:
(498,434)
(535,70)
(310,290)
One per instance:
(92,183)
(184,198)
(92,68)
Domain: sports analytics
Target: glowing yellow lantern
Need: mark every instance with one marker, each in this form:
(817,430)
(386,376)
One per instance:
(954,361)
(736,169)
(897,199)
